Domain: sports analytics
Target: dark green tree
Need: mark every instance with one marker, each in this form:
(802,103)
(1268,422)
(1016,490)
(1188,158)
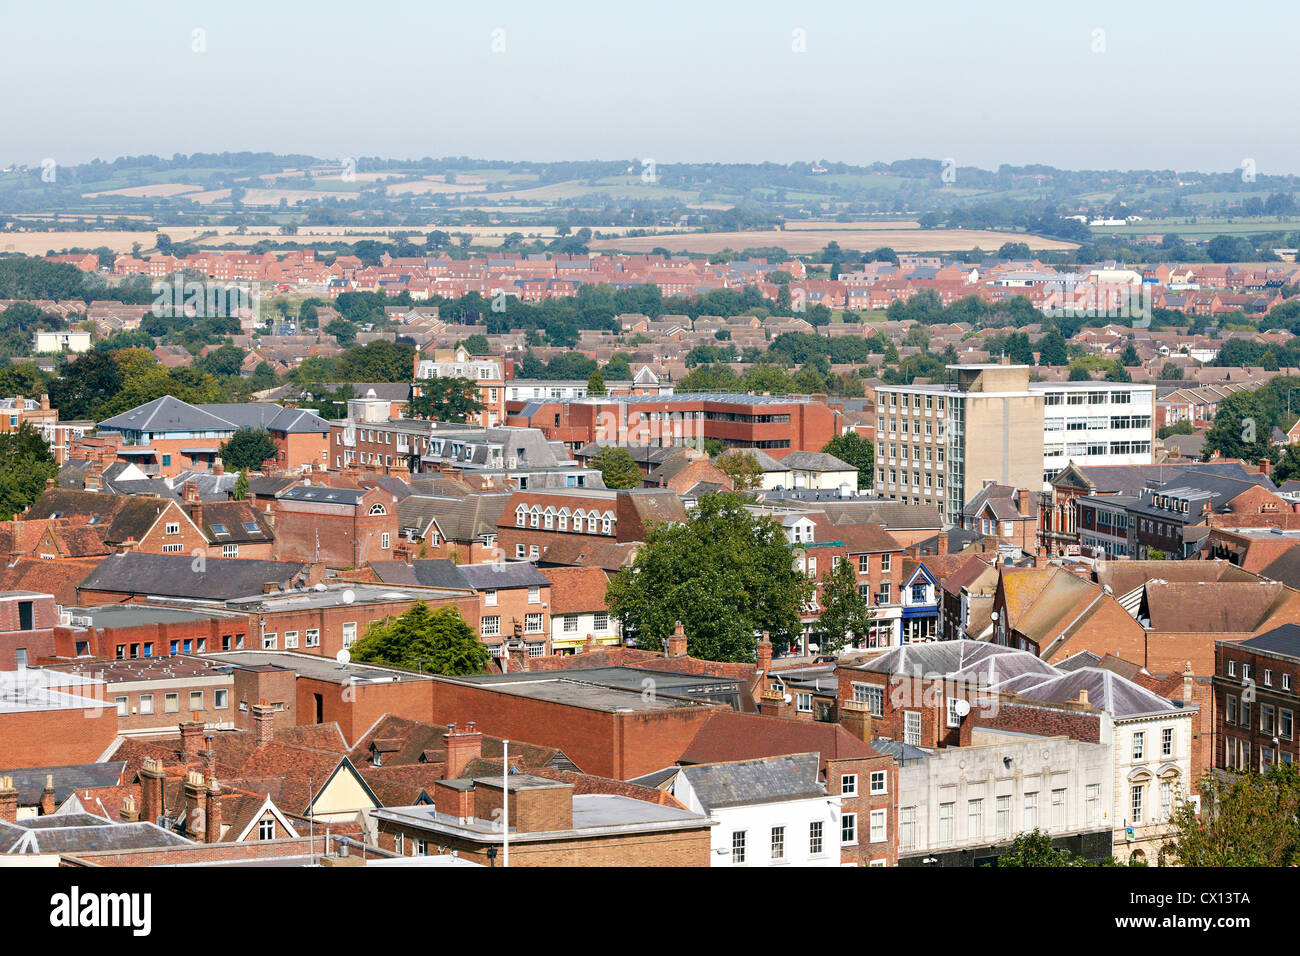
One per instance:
(434,642)
(247,448)
(596,384)
(25,465)
(845,615)
(852,449)
(445,400)
(726,574)
(618,469)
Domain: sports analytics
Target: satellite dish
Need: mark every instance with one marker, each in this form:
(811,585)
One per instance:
(343,656)
(993,616)
(963,708)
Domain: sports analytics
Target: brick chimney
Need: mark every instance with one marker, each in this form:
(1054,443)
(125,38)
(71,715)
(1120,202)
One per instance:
(151,790)
(212,813)
(47,796)
(1083,699)
(855,717)
(190,492)
(1265,466)
(263,722)
(941,547)
(763,666)
(462,746)
(517,653)
(677,642)
(8,800)
(191,735)
(196,798)
(127,813)
(94,480)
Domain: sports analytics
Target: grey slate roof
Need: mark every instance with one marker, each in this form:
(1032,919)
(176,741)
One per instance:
(166,414)
(750,782)
(173,575)
(1106,691)
(30,781)
(170,414)
(815,461)
(1280,640)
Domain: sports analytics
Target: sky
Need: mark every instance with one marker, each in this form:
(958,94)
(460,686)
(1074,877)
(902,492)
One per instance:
(1144,84)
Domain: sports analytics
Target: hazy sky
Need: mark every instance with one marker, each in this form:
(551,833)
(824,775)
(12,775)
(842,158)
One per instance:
(1190,85)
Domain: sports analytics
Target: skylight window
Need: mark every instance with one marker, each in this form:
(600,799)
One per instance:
(219,529)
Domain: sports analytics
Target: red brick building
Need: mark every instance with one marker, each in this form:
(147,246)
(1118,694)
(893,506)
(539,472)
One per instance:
(738,421)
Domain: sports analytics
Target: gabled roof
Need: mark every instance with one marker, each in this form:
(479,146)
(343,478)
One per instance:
(167,414)
(173,575)
(750,782)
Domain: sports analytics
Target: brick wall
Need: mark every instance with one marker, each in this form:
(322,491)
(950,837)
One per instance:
(42,738)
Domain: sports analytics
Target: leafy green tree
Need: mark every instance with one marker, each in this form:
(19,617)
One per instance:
(248,448)
(81,391)
(1130,357)
(742,468)
(768,378)
(225,360)
(1079,374)
(1170,372)
(596,384)
(240,491)
(1245,819)
(477,344)
(378,361)
(845,614)
(445,400)
(1052,349)
(432,641)
(26,463)
(618,368)
(852,449)
(1035,849)
(617,467)
(726,574)
(1183,427)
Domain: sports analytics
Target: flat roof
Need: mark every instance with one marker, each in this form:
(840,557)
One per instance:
(317,667)
(613,689)
(132,615)
(141,668)
(594,814)
(338,595)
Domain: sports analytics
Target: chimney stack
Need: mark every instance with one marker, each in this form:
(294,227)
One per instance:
(1265,466)
(47,796)
(263,722)
(151,790)
(191,734)
(763,662)
(1189,683)
(128,814)
(212,813)
(677,642)
(196,798)
(1083,698)
(461,746)
(942,546)
(8,800)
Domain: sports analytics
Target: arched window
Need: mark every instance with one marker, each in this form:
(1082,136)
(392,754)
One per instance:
(377,509)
